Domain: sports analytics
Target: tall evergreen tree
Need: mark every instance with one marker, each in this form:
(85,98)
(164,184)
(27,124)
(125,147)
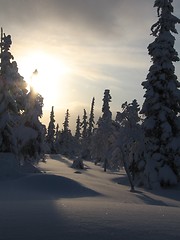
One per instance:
(129,116)
(14,82)
(57,139)
(84,125)
(91,119)
(162,102)
(78,129)
(77,137)
(101,143)
(7,103)
(128,146)
(57,131)
(84,136)
(50,138)
(107,114)
(21,131)
(33,148)
(66,139)
(90,130)
(12,96)
(66,122)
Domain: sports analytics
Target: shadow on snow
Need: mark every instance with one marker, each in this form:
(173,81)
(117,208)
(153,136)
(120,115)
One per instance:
(171,193)
(43,187)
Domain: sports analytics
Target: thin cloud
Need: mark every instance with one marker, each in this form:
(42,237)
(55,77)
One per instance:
(104,41)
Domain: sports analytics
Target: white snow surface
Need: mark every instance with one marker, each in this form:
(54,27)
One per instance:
(62,203)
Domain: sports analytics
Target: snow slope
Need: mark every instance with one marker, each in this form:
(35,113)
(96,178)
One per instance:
(64,204)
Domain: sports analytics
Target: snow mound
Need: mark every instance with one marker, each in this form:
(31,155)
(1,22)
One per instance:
(78,163)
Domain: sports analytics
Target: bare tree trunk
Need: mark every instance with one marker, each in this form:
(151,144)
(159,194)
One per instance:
(127,172)
(105,164)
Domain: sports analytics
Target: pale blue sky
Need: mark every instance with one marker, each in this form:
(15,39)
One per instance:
(82,47)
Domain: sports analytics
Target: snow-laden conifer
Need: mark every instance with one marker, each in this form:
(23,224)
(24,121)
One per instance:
(21,132)
(14,82)
(101,138)
(32,146)
(50,138)
(84,125)
(66,122)
(128,147)
(66,140)
(78,129)
(84,136)
(12,100)
(162,102)
(77,138)
(57,139)
(91,121)
(90,130)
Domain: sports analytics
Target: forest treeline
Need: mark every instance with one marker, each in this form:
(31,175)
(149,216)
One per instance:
(145,141)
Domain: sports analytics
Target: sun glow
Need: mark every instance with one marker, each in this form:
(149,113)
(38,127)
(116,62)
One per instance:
(45,74)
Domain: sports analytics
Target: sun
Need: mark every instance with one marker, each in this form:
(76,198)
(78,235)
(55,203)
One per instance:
(45,74)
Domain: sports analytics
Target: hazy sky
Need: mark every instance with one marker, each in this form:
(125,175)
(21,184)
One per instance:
(82,47)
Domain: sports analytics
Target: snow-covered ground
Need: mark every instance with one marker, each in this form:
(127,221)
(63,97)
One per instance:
(64,204)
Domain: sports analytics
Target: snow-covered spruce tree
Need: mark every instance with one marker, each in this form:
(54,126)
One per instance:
(66,122)
(90,129)
(15,135)
(129,140)
(8,107)
(12,97)
(91,119)
(50,138)
(57,139)
(129,117)
(77,137)
(32,146)
(66,142)
(78,161)
(78,129)
(84,137)
(84,125)
(101,137)
(162,103)
(9,70)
